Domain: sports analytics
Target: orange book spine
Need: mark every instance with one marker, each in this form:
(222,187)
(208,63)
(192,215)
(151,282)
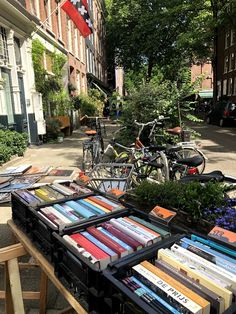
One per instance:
(101,203)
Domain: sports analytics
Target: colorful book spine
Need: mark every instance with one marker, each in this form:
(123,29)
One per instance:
(218,258)
(190,271)
(162,232)
(224,237)
(128,248)
(109,201)
(63,189)
(66,213)
(27,196)
(134,234)
(97,206)
(90,207)
(214,245)
(204,304)
(78,188)
(69,209)
(121,235)
(155,296)
(113,255)
(49,221)
(52,217)
(80,209)
(107,241)
(53,193)
(44,195)
(59,215)
(157,284)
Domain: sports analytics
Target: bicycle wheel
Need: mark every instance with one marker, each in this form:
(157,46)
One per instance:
(87,163)
(160,174)
(187,152)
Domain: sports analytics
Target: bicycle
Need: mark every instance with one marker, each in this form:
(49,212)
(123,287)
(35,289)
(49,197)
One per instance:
(93,148)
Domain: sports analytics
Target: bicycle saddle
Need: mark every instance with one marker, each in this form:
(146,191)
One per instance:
(191,161)
(214,176)
(90,132)
(175,131)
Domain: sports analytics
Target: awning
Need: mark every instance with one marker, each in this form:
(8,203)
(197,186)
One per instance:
(99,88)
(206,94)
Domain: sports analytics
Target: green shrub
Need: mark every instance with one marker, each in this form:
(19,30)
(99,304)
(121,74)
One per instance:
(12,143)
(192,198)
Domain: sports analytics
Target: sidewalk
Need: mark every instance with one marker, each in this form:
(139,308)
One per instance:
(66,154)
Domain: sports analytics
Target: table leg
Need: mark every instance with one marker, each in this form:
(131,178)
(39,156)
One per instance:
(43,293)
(8,297)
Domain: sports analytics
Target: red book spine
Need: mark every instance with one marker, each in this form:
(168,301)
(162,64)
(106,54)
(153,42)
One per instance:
(99,202)
(122,236)
(107,241)
(89,246)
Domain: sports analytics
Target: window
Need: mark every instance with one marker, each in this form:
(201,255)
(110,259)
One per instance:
(76,42)
(17,51)
(232,62)
(3,45)
(226,64)
(7,92)
(224,87)
(48,13)
(230,86)
(234,87)
(227,39)
(69,34)
(233,37)
(59,23)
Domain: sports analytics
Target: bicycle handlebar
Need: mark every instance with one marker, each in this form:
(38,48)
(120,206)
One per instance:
(155,121)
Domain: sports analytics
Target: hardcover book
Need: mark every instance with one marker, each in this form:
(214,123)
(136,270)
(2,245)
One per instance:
(162,214)
(15,171)
(5,181)
(61,172)
(22,182)
(223,236)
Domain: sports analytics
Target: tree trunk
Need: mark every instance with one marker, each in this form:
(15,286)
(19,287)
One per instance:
(149,70)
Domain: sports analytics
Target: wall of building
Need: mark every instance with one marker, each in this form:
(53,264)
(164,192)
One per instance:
(203,70)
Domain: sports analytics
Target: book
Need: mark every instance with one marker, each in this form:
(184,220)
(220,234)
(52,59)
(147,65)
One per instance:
(91,207)
(192,272)
(99,254)
(22,182)
(116,239)
(60,216)
(44,195)
(15,171)
(49,221)
(110,205)
(213,258)
(5,197)
(178,299)
(216,301)
(60,172)
(79,188)
(121,235)
(68,214)
(224,237)
(214,245)
(164,234)
(204,304)
(114,246)
(80,209)
(70,209)
(156,297)
(51,216)
(103,209)
(133,234)
(38,170)
(28,197)
(148,296)
(5,181)
(102,246)
(54,193)
(209,267)
(63,189)
(162,214)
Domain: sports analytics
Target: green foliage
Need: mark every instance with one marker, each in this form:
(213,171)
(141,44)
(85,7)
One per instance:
(91,104)
(53,127)
(12,143)
(192,198)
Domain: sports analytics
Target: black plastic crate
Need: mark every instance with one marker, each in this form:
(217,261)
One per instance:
(119,298)
(76,273)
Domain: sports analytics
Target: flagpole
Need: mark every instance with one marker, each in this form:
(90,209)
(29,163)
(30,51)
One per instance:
(58,7)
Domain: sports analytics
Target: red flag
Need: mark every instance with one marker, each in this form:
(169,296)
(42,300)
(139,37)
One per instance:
(77,10)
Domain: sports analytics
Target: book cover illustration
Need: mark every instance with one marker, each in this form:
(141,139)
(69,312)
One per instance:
(225,236)
(162,214)
(36,170)
(61,172)
(22,182)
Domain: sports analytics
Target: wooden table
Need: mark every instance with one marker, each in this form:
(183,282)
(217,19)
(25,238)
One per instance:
(13,294)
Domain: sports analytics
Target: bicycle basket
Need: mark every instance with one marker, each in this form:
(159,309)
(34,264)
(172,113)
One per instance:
(108,176)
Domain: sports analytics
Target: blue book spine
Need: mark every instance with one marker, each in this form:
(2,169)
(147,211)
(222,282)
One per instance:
(214,259)
(209,250)
(80,209)
(106,200)
(214,245)
(95,209)
(125,245)
(155,296)
(66,213)
(99,244)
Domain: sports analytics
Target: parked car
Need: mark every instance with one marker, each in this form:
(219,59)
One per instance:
(222,113)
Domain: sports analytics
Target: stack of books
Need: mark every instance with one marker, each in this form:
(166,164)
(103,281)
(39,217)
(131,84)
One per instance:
(195,275)
(113,239)
(15,171)
(71,188)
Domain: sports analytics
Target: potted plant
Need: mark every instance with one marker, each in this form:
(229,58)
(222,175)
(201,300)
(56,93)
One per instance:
(53,128)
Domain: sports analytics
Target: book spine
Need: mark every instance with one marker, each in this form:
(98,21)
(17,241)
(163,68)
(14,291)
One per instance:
(44,195)
(53,218)
(204,304)
(69,209)
(50,222)
(214,245)
(218,259)
(162,232)
(149,231)
(155,296)
(117,233)
(107,241)
(117,240)
(104,210)
(90,207)
(53,192)
(199,277)
(211,268)
(113,255)
(63,189)
(66,213)
(80,209)
(79,188)
(90,247)
(102,203)
(59,215)
(142,232)
(28,197)
(157,284)
(108,201)
(134,234)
